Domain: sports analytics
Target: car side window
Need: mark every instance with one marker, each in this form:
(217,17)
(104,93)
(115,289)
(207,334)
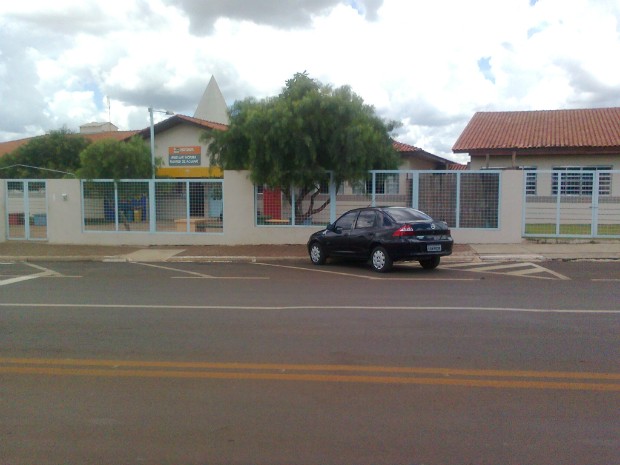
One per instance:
(345,222)
(367,219)
(385,220)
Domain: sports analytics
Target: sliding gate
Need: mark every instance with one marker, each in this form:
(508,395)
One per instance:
(26,207)
(575,202)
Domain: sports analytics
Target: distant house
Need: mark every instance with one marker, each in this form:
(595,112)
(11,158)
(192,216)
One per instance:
(550,139)
(414,158)
(572,144)
(12,145)
(177,141)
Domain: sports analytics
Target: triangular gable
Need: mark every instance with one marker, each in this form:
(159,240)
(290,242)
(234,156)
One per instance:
(212,106)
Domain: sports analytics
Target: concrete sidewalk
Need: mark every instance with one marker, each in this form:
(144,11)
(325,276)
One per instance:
(525,251)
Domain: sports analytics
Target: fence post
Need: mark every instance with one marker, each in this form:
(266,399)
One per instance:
(457,212)
(152,223)
(595,192)
(373,201)
(558,206)
(333,190)
(415,190)
(293,209)
(116,206)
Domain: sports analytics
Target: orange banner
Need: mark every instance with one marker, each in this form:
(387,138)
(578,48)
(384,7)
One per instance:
(184,150)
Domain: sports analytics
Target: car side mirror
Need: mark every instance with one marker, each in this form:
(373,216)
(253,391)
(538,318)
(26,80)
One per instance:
(333,228)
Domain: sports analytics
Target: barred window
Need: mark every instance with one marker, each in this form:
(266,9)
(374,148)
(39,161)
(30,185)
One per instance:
(385,183)
(530,180)
(579,180)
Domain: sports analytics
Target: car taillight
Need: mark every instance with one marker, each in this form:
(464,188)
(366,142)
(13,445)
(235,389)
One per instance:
(403,231)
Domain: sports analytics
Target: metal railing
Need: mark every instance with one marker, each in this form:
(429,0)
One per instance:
(577,204)
(26,209)
(464,199)
(186,206)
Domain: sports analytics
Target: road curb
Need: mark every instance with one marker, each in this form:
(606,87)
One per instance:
(512,258)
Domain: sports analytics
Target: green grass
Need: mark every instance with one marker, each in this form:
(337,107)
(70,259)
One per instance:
(573,229)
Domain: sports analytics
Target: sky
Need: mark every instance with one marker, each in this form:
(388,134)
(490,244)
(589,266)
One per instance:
(429,65)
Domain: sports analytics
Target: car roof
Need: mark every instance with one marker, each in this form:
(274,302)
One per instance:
(385,208)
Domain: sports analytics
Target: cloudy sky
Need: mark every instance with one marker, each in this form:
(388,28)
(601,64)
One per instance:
(428,64)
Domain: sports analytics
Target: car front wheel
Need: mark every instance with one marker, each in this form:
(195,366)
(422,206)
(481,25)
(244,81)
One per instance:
(430,263)
(380,260)
(317,254)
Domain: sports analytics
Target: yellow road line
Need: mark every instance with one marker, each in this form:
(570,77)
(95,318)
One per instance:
(321,367)
(312,377)
(329,373)
(310,307)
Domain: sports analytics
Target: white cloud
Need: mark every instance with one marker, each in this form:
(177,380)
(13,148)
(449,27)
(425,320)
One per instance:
(417,62)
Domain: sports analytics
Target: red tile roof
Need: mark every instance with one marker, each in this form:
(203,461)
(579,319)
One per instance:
(402,147)
(593,127)
(204,123)
(7,147)
(118,135)
(10,146)
(180,119)
(416,152)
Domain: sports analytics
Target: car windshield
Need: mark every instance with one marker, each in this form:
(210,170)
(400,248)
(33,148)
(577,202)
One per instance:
(404,215)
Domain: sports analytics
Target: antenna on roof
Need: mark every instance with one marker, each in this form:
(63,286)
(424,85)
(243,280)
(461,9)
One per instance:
(109,113)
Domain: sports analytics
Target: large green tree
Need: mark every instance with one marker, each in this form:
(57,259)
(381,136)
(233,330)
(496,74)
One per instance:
(293,139)
(112,159)
(54,155)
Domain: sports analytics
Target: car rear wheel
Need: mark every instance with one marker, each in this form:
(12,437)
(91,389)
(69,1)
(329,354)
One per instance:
(380,260)
(430,263)
(317,254)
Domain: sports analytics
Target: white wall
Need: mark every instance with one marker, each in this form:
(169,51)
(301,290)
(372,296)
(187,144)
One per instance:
(547,163)
(510,215)
(64,219)
(179,136)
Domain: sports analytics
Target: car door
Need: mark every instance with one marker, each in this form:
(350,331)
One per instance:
(363,233)
(337,238)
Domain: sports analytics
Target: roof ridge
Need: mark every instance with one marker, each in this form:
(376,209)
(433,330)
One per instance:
(590,127)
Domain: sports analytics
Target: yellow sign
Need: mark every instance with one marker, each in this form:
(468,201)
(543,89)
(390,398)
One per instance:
(191,172)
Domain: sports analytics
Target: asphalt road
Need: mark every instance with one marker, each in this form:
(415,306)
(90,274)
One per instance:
(286,363)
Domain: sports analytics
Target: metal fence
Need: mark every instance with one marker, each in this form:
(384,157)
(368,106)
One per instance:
(187,206)
(464,199)
(572,203)
(26,207)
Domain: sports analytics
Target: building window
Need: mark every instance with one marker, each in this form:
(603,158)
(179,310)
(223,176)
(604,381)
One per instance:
(579,180)
(530,180)
(358,188)
(385,183)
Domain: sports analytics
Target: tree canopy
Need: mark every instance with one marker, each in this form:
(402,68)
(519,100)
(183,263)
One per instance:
(112,159)
(293,139)
(54,155)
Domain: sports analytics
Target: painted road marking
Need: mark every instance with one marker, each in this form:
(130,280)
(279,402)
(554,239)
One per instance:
(19,279)
(196,275)
(44,273)
(314,307)
(520,269)
(372,278)
(511,379)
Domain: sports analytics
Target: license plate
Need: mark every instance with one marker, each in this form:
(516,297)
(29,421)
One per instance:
(433,248)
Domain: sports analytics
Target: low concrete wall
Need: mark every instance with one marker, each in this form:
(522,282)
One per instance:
(64,219)
(510,215)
